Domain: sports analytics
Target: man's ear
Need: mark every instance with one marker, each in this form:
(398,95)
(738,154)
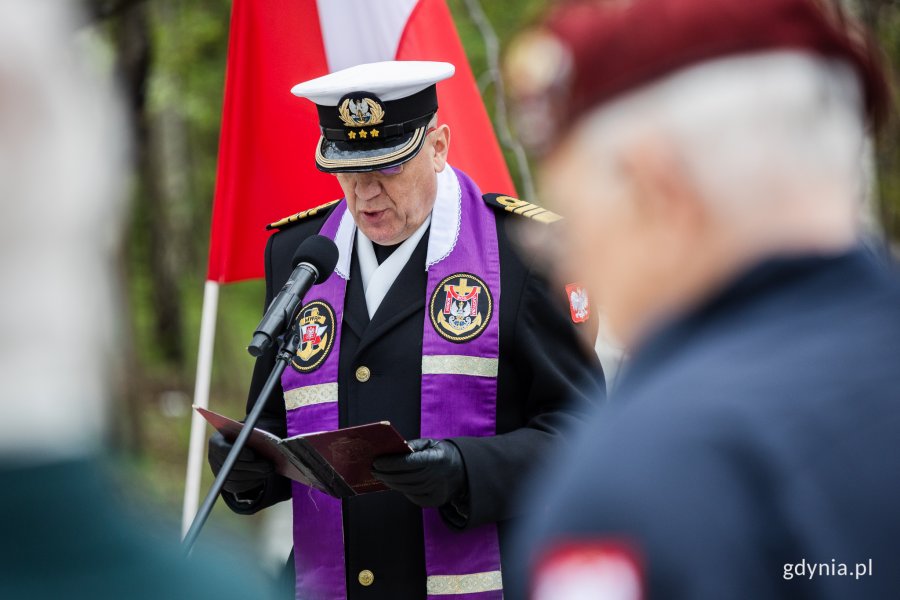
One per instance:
(441,144)
(663,191)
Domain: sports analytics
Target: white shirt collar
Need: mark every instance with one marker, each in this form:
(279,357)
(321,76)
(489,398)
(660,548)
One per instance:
(378,279)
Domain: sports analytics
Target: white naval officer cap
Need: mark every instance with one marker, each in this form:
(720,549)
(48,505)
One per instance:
(373,116)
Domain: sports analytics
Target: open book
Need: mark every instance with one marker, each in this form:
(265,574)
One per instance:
(337,462)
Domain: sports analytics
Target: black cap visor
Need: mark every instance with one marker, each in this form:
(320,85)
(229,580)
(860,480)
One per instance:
(333,156)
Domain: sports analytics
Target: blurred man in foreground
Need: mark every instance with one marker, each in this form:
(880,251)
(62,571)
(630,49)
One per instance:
(711,152)
(61,160)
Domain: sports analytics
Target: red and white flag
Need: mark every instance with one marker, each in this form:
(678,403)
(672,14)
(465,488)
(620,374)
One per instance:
(266,169)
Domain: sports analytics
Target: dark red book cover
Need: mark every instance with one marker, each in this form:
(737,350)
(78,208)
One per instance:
(336,462)
(350,451)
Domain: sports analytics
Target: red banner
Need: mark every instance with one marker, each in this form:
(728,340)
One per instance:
(266,169)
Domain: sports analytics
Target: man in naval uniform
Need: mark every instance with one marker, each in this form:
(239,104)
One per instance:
(431,321)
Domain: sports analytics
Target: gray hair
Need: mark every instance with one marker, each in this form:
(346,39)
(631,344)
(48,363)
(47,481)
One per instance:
(749,127)
(62,161)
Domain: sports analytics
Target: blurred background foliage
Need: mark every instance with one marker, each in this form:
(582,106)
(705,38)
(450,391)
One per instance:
(170,58)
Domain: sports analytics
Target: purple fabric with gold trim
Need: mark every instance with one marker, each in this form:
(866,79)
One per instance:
(459,392)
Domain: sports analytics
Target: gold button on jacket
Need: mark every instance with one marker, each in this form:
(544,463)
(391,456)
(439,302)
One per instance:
(363,374)
(366,577)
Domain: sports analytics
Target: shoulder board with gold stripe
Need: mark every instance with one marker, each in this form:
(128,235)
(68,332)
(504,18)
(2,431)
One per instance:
(303,214)
(520,207)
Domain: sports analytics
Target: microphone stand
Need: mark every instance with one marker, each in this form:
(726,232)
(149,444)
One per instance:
(290,343)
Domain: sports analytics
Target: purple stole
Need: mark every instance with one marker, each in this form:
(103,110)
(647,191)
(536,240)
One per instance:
(460,351)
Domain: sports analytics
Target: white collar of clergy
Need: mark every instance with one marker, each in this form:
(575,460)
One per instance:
(378,279)
(445,221)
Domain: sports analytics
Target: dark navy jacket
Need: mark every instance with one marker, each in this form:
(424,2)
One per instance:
(760,430)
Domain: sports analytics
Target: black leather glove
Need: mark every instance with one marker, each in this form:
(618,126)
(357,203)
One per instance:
(433,475)
(249,472)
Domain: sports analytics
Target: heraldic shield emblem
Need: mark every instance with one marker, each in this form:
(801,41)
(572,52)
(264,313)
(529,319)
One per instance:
(461,307)
(316,326)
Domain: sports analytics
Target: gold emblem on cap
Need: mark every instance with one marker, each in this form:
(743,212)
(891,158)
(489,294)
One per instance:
(361,113)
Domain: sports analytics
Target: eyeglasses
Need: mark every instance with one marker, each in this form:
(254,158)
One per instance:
(397,169)
(390,171)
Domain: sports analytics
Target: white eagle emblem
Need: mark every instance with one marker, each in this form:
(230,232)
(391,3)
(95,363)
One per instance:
(461,307)
(361,112)
(579,304)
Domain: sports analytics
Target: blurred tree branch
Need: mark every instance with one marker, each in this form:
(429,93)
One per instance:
(501,114)
(101,10)
(134,41)
(128,36)
(152,245)
(882,18)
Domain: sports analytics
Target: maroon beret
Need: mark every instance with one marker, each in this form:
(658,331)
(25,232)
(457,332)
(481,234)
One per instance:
(609,47)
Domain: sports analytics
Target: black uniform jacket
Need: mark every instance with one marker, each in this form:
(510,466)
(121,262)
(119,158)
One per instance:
(755,434)
(546,383)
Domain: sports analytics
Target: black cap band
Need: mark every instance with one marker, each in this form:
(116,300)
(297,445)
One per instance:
(390,131)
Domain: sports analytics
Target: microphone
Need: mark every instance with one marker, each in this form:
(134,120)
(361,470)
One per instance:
(313,263)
